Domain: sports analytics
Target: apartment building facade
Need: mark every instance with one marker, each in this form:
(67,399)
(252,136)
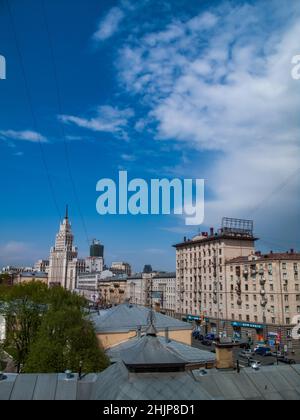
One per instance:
(164,293)
(201,285)
(264,296)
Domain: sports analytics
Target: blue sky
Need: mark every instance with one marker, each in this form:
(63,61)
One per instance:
(199,89)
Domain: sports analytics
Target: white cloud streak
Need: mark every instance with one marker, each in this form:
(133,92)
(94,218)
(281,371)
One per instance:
(26,135)
(109,25)
(107,120)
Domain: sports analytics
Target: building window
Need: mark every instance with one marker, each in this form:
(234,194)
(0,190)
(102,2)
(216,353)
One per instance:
(288,321)
(287,309)
(273,321)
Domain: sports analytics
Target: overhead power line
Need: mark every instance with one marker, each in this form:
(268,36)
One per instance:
(31,107)
(60,112)
(278,189)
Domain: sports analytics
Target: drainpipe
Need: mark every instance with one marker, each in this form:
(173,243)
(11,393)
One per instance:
(167,335)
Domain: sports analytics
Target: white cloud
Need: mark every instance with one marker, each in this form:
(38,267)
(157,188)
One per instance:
(107,119)
(128,158)
(26,135)
(18,253)
(213,83)
(109,25)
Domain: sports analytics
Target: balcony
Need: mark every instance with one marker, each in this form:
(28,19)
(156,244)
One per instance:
(264,302)
(263,292)
(239,302)
(262,281)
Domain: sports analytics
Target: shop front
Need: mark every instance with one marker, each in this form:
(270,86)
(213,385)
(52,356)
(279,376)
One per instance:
(248,331)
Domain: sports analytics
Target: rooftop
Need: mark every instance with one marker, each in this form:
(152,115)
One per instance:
(127,317)
(117,383)
(191,355)
(216,237)
(272,256)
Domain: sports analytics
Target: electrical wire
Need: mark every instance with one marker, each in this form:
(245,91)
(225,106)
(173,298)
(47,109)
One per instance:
(31,107)
(60,109)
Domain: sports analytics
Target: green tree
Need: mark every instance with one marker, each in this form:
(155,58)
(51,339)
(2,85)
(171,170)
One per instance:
(5,279)
(2,358)
(66,340)
(23,307)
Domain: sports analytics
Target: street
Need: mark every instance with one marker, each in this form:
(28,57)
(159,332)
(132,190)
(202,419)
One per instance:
(265,361)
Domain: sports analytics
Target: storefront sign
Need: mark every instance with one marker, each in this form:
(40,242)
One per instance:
(193,318)
(247,325)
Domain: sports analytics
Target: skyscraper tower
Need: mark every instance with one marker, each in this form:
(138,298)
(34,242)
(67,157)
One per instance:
(96,249)
(62,254)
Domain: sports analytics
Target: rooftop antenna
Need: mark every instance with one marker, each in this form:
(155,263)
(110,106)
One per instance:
(151,330)
(67,212)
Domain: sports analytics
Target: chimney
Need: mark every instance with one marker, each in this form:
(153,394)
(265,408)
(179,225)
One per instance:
(212,231)
(292,251)
(224,356)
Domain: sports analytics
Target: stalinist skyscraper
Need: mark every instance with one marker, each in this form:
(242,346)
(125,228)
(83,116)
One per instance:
(62,254)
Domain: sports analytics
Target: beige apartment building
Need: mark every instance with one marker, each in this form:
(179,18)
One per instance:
(113,291)
(264,296)
(227,287)
(164,293)
(201,286)
(138,288)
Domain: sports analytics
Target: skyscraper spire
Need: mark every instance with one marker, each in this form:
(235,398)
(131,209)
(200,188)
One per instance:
(67,212)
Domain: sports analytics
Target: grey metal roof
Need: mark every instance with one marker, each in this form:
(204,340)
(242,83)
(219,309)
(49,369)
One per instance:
(117,383)
(165,275)
(191,355)
(124,318)
(149,351)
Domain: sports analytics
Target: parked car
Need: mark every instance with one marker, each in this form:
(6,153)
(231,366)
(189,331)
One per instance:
(246,354)
(207,343)
(255,365)
(286,360)
(263,351)
(210,337)
(197,335)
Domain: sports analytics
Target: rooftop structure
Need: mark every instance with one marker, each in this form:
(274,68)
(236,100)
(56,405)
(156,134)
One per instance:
(127,317)
(117,383)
